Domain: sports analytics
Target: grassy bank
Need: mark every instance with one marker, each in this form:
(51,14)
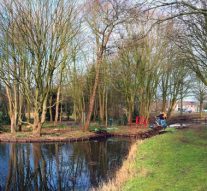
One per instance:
(174,161)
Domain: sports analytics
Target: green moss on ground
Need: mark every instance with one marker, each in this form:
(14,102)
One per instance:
(174,161)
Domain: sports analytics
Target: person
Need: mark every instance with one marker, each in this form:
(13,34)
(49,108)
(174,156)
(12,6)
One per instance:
(161,120)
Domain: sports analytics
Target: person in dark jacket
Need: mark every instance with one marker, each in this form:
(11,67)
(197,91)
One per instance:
(161,120)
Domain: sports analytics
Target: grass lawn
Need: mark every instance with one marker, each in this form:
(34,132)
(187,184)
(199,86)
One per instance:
(175,161)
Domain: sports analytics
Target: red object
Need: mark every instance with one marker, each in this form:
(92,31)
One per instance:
(137,120)
(140,120)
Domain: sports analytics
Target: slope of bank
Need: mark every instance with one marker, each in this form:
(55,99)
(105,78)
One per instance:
(176,160)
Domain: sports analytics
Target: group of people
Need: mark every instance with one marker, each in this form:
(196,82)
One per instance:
(161,120)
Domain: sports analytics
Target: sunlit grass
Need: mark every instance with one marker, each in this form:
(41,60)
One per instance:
(174,161)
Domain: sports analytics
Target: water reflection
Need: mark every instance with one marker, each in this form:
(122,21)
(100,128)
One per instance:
(74,166)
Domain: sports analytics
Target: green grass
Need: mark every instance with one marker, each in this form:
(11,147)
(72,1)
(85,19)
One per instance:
(21,135)
(51,125)
(175,161)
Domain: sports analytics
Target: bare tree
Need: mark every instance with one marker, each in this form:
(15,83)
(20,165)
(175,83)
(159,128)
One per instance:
(200,93)
(191,17)
(102,18)
(43,30)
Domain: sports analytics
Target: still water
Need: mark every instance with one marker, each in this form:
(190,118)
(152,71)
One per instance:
(60,166)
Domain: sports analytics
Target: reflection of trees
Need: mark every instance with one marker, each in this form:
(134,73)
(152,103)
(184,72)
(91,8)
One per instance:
(40,180)
(102,158)
(76,166)
(11,167)
(19,177)
(96,159)
(3,149)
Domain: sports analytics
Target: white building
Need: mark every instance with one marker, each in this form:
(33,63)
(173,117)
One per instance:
(188,106)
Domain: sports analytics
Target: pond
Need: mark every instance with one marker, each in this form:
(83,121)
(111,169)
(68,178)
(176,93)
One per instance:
(60,166)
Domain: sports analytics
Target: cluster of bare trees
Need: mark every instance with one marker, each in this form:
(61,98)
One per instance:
(100,59)
(190,20)
(35,41)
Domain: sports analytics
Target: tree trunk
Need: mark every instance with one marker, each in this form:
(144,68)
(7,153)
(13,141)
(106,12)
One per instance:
(164,104)
(83,118)
(200,108)
(101,103)
(58,94)
(12,113)
(93,96)
(28,111)
(50,109)
(37,125)
(75,112)
(44,110)
(20,112)
(37,129)
(57,106)
(171,108)
(95,110)
(106,110)
(61,112)
(130,117)
(181,101)
(130,111)
(13,123)
(181,106)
